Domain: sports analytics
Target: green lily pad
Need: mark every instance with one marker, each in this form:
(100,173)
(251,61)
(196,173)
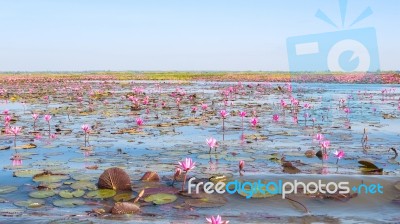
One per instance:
(87,177)
(42,194)
(124,197)
(7,189)
(30,203)
(68,203)
(160,199)
(84,185)
(49,185)
(71,194)
(101,194)
(50,177)
(239,158)
(26,173)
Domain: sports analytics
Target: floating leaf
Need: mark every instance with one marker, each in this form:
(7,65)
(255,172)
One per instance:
(124,196)
(27,146)
(289,168)
(101,194)
(7,189)
(30,203)
(160,199)
(116,179)
(42,194)
(203,200)
(49,177)
(26,173)
(369,167)
(71,194)
(68,203)
(150,176)
(158,190)
(125,208)
(83,185)
(49,186)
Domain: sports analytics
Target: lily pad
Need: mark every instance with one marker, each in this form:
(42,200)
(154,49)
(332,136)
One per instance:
(68,203)
(83,185)
(124,197)
(30,203)
(50,177)
(125,208)
(160,199)
(7,189)
(26,173)
(101,194)
(116,179)
(42,194)
(71,194)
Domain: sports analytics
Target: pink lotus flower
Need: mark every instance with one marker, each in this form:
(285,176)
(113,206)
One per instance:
(35,116)
(223,114)
(139,121)
(86,128)
(204,106)
(254,122)
(283,104)
(319,137)
(242,114)
(47,117)
(346,110)
(325,144)
(187,164)
(6,112)
(307,106)
(7,119)
(212,143)
(295,120)
(16,160)
(325,156)
(339,154)
(15,130)
(216,220)
(194,109)
(275,117)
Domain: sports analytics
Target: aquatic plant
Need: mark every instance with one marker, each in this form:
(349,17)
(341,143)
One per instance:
(212,143)
(186,165)
(15,130)
(86,129)
(223,115)
(216,220)
(47,118)
(339,155)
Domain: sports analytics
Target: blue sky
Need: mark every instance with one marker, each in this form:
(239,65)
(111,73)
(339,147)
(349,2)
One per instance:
(81,35)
